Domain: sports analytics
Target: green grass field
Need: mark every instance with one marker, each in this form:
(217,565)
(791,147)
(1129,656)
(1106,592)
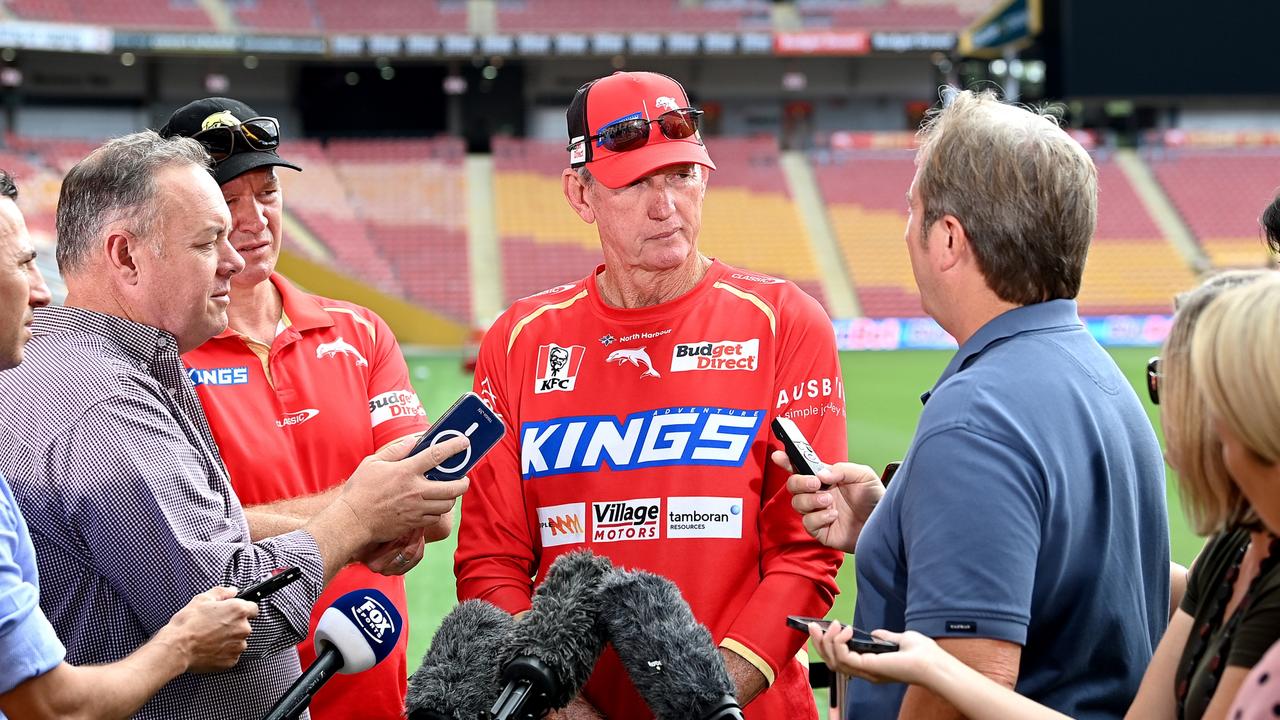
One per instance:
(882,390)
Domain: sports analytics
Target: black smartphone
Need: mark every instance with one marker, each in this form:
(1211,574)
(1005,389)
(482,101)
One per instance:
(801,454)
(889,471)
(260,590)
(861,642)
(468,416)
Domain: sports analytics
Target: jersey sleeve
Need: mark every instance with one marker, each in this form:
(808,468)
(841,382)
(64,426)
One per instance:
(394,407)
(798,573)
(970,577)
(496,557)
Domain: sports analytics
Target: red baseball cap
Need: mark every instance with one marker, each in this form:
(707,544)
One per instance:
(629,96)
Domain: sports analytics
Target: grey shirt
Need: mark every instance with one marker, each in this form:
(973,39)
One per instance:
(132,513)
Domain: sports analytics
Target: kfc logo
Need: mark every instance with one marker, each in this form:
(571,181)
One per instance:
(558,367)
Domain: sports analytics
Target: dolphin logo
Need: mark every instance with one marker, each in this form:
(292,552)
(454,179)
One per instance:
(219,119)
(635,356)
(340,347)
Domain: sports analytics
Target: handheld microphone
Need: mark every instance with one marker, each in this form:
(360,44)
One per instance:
(355,633)
(554,647)
(670,656)
(458,678)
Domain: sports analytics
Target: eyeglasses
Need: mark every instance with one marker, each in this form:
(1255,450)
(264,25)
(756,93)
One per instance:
(625,135)
(1153,379)
(259,133)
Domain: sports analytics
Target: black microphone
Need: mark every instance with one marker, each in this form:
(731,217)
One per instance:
(554,647)
(670,656)
(355,633)
(458,678)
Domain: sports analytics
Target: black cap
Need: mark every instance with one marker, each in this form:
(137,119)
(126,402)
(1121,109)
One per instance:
(190,119)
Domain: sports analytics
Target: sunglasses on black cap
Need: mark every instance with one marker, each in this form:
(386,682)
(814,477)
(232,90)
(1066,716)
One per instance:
(631,134)
(258,133)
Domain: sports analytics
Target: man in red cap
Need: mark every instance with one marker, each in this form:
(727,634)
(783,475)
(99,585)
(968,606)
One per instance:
(639,400)
(298,390)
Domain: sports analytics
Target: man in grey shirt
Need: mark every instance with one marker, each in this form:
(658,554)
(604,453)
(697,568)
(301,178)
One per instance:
(112,461)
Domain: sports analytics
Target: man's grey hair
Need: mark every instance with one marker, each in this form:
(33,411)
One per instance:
(8,188)
(116,183)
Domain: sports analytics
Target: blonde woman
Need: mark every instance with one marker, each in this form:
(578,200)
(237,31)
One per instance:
(1234,357)
(1231,612)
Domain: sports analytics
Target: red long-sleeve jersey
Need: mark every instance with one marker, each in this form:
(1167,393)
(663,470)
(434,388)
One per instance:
(643,435)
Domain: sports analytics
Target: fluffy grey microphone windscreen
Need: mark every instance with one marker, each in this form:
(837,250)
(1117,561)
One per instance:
(458,678)
(562,628)
(670,656)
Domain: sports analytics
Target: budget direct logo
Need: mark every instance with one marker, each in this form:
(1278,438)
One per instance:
(558,368)
(716,355)
(296,418)
(219,376)
(689,435)
(393,406)
(562,524)
(704,517)
(373,620)
(625,520)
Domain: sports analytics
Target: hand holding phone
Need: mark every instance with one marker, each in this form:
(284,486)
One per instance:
(469,417)
(861,642)
(801,454)
(260,590)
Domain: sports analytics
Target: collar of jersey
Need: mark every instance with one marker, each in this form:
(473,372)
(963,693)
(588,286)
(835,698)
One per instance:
(648,314)
(303,311)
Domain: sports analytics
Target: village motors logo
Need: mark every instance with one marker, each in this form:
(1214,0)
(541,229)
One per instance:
(558,367)
(625,520)
(562,524)
(716,355)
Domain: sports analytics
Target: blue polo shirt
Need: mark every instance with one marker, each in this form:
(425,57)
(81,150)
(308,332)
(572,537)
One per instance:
(1030,508)
(28,645)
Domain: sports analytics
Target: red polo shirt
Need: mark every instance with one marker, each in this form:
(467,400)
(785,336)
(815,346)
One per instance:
(295,418)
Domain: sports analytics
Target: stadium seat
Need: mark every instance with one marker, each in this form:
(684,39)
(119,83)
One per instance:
(1220,194)
(1131,268)
(749,218)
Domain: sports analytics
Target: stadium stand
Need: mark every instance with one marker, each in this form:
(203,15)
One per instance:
(1131,267)
(1219,194)
(749,219)
(667,15)
(155,15)
(392,212)
(390,16)
(889,14)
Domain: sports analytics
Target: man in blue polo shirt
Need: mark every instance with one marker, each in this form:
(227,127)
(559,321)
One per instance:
(1026,529)
(205,636)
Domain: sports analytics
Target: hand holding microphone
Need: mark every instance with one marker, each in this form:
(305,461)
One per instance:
(355,633)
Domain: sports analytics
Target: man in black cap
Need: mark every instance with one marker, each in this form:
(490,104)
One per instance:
(299,389)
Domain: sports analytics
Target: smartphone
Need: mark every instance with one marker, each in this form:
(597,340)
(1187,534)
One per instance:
(468,416)
(801,454)
(861,642)
(889,471)
(260,590)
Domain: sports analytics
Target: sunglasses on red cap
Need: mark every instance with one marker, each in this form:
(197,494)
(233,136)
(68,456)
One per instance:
(633,133)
